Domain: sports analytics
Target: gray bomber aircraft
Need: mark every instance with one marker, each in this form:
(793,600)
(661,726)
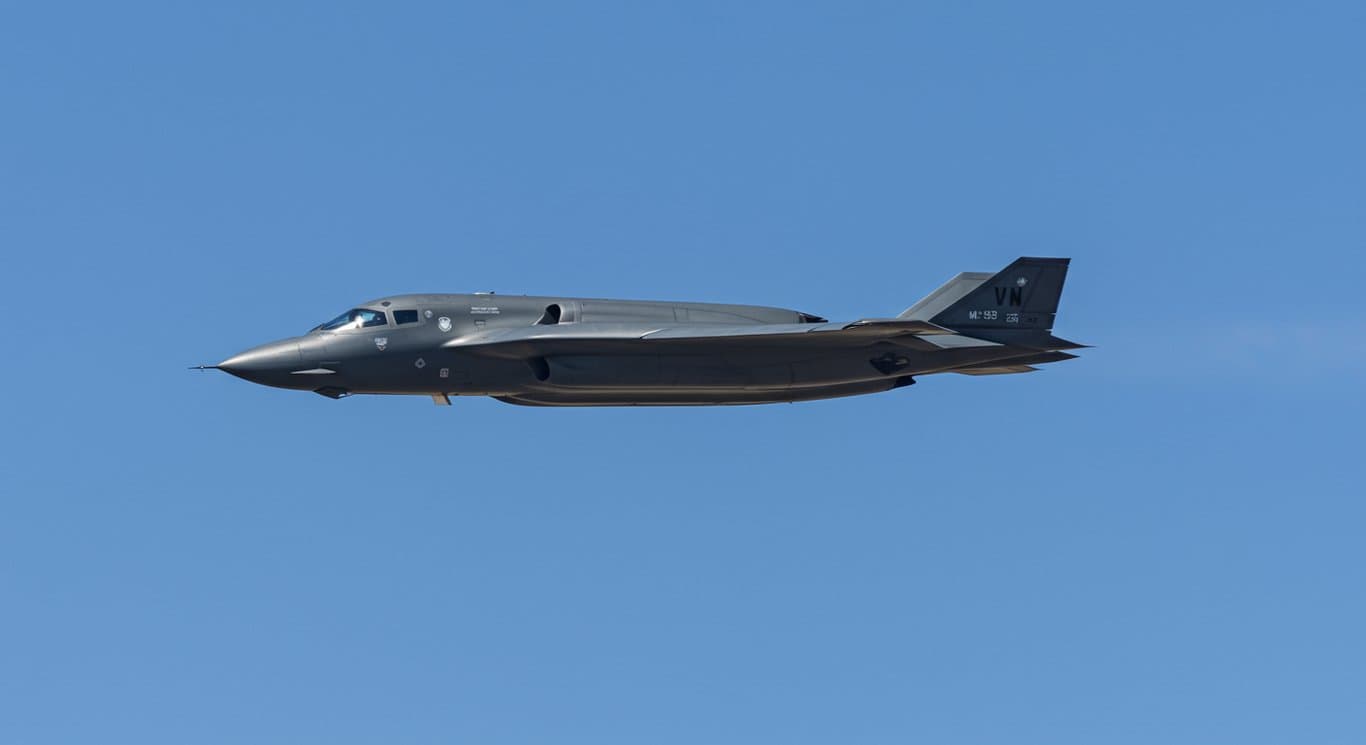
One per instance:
(555,351)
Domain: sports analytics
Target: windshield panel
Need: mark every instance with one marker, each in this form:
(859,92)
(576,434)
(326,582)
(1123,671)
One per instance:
(356,318)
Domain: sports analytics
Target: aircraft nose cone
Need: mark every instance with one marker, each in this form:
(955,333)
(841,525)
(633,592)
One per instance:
(268,364)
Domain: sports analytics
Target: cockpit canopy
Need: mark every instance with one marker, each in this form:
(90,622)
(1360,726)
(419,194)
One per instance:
(356,318)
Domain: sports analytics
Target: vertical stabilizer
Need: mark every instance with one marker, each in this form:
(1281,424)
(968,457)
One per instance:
(1023,296)
(948,293)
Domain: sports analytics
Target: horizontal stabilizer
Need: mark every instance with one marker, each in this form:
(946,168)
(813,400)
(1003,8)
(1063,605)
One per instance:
(1014,364)
(903,325)
(998,370)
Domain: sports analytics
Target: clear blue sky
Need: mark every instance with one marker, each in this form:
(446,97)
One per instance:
(1161,542)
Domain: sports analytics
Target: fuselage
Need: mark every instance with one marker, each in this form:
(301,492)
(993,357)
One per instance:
(396,345)
(562,351)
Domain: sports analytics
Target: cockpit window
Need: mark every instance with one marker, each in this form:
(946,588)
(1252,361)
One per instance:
(405,316)
(355,318)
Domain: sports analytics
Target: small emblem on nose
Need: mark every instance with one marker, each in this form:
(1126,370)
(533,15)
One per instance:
(443,323)
(381,342)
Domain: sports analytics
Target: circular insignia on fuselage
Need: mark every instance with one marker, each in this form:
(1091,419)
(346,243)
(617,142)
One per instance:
(443,323)
(1021,281)
(421,363)
(427,313)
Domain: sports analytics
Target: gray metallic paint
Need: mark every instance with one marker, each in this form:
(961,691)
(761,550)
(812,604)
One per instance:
(554,351)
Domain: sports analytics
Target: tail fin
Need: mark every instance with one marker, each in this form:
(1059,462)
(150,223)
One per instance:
(948,293)
(1023,296)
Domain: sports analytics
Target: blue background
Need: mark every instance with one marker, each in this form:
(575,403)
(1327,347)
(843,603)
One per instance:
(1159,542)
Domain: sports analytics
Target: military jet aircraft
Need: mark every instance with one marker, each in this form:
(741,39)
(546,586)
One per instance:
(558,351)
